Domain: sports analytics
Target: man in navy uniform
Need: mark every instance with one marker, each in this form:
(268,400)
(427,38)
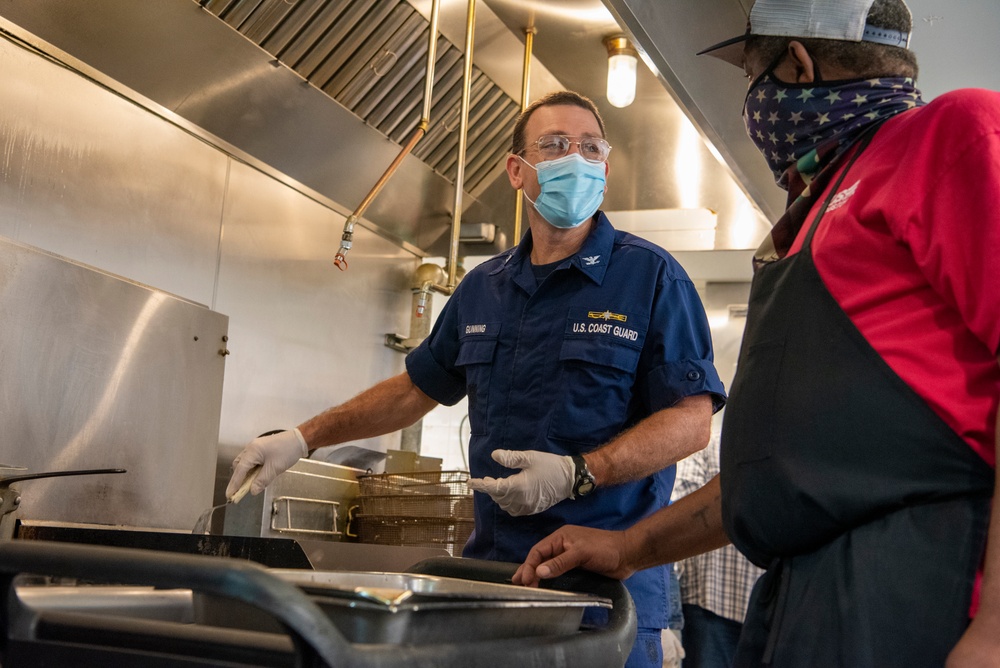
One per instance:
(586,357)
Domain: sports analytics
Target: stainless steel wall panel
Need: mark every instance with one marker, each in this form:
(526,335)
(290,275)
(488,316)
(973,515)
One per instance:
(101,372)
(86,174)
(303,335)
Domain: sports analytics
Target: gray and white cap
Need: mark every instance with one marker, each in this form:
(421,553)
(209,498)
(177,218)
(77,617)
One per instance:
(824,19)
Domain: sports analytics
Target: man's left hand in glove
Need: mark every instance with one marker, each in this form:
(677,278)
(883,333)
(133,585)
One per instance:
(545,480)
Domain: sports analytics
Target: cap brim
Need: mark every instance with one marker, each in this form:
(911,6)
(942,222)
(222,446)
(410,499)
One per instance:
(730,50)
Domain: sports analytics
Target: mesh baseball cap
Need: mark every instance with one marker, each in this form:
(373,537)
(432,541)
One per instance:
(826,19)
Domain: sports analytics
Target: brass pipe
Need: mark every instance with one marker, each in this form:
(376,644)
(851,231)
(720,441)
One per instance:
(417,135)
(431,62)
(470,29)
(347,238)
(529,40)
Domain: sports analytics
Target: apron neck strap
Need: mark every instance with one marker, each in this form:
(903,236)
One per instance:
(863,143)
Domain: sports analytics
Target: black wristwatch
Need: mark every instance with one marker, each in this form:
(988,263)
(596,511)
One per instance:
(584,483)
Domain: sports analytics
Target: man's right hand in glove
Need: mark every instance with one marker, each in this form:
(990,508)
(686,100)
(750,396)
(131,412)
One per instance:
(274,454)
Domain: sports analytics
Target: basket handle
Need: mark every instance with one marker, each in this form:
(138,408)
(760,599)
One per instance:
(350,530)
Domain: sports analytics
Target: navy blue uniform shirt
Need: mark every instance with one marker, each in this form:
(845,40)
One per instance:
(615,333)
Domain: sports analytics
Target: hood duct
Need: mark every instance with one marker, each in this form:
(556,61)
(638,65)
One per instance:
(369,56)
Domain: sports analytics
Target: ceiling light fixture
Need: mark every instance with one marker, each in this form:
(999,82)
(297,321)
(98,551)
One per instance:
(622,63)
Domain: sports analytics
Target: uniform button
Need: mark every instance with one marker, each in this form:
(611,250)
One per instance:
(693,375)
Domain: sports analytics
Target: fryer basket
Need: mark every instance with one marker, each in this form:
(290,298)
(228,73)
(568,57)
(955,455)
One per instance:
(427,483)
(415,509)
(443,532)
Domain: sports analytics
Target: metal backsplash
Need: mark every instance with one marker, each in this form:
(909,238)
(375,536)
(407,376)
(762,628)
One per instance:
(100,372)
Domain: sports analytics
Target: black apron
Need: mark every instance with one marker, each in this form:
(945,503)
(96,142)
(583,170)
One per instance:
(869,512)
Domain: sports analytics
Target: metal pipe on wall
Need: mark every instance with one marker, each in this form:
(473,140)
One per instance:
(411,437)
(463,136)
(470,30)
(347,238)
(529,41)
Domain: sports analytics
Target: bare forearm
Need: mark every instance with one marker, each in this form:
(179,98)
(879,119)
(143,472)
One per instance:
(990,592)
(662,439)
(980,645)
(391,405)
(691,526)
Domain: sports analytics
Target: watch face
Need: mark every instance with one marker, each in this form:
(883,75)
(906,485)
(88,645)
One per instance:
(584,480)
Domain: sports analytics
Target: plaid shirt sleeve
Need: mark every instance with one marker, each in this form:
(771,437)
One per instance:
(721,580)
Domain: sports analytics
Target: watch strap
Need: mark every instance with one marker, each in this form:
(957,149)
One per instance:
(583,479)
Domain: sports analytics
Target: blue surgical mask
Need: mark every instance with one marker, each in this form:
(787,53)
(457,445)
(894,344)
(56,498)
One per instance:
(572,189)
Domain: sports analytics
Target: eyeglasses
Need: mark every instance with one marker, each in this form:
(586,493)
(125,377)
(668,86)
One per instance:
(593,149)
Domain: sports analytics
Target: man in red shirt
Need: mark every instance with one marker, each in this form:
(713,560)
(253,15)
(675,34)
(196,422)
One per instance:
(859,443)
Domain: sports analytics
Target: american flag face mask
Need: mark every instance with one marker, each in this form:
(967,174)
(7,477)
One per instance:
(787,122)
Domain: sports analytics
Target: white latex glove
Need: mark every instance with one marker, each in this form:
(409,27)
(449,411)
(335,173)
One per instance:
(274,454)
(545,480)
(673,651)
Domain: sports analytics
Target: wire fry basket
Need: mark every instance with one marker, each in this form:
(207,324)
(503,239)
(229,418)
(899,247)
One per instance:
(450,483)
(431,505)
(448,533)
(418,509)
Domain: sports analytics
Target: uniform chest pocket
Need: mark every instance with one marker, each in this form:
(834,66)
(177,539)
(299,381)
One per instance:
(475,358)
(597,379)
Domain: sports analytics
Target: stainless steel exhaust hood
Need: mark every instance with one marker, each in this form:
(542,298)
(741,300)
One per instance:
(322,98)
(323,91)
